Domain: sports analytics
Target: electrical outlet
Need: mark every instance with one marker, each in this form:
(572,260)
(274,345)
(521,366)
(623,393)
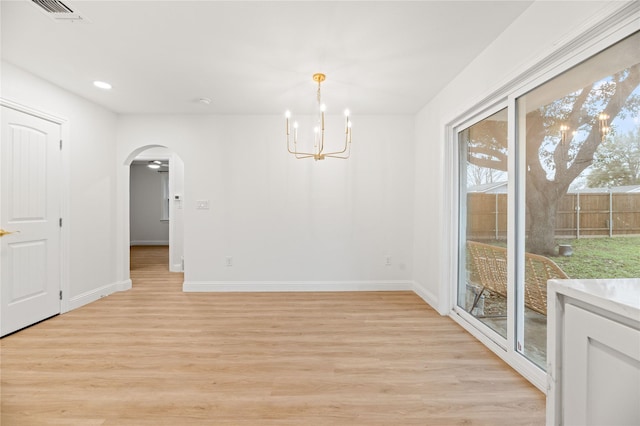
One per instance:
(387,260)
(228,261)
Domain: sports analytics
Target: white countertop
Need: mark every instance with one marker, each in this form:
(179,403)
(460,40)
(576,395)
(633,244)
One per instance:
(621,295)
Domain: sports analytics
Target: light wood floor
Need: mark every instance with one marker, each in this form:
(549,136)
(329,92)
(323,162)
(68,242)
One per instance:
(154,355)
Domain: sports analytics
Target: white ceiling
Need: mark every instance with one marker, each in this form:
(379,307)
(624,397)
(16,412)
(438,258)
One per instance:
(254,57)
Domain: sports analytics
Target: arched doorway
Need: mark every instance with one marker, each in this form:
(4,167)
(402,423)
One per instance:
(161,205)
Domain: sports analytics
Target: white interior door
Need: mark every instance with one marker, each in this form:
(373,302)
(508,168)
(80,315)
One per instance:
(30,209)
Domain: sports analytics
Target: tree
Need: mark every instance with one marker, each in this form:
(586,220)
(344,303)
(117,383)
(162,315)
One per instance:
(477,175)
(550,171)
(561,140)
(617,161)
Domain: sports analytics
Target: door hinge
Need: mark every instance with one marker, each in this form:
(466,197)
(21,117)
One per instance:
(60,294)
(60,222)
(60,144)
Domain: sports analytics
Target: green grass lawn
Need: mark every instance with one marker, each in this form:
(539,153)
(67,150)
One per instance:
(602,258)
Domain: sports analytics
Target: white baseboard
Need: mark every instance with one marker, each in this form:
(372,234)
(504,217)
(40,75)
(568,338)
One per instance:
(124,285)
(177,267)
(149,243)
(92,295)
(427,296)
(282,286)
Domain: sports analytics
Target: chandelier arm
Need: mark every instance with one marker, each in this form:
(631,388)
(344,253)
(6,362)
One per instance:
(347,146)
(321,150)
(295,149)
(292,152)
(337,153)
(296,152)
(335,156)
(288,143)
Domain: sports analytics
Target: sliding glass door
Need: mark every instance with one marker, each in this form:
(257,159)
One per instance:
(482,287)
(581,133)
(549,187)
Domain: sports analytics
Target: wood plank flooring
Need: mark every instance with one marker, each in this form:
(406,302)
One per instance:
(155,355)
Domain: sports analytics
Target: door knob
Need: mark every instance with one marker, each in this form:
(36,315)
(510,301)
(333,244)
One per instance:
(3,232)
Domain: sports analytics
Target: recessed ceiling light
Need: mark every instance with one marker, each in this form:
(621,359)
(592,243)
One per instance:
(102,85)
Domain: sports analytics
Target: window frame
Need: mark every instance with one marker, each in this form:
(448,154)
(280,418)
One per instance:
(460,156)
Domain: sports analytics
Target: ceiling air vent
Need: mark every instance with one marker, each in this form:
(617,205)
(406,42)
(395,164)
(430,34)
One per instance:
(58,10)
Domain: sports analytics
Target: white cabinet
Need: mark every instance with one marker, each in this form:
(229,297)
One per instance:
(593,358)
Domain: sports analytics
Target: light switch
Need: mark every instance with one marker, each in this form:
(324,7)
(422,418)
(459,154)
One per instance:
(202,204)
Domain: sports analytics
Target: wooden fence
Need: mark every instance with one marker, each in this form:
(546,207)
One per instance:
(578,215)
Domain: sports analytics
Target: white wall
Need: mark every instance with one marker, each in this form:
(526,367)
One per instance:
(176,212)
(283,220)
(146,226)
(92,181)
(536,34)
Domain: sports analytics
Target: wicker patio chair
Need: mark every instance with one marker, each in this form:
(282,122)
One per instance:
(488,267)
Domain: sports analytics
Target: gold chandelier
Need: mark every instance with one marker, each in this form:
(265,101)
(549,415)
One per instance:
(318,141)
(603,127)
(603,124)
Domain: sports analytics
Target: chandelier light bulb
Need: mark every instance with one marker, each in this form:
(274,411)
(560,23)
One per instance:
(323,107)
(346,113)
(287,114)
(563,133)
(295,124)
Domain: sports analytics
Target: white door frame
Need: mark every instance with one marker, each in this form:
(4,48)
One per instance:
(65,181)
